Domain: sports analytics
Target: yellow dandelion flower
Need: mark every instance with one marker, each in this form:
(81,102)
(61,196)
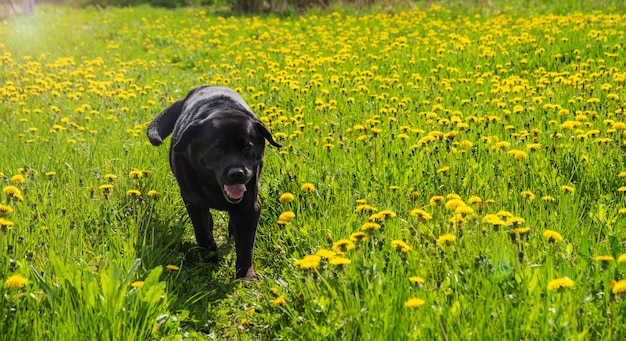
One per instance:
(50,175)
(457,219)
(110,177)
(560,283)
(365,208)
(521,230)
(6,224)
(286,216)
(622,258)
(387,213)
(13,192)
(465,144)
(533,147)
(358,236)
(518,154)
(16,281)
(137,284)
(135,174)
(446,239)
(401,246)
(528,195)
(474,200)
(453,204)
(421,214)
(621,174)
(567,189)
(443,169)
(414,302)
(493,219)
(548,198)
(584,159)
(172,267)
(325,253)
(618,287)
(504,213)
(133,193)
(278,301)
(436,200)
(622,189)
(515,221)
(463,210)
(307,187)
(377,217)
(339,261)
(604,258)
(342,245)
(310,262)
(18,179)
(552,236)
(417,279)
(403,136)
(286,197)
(613,97)
(369,226)
(4,209)
(153,193)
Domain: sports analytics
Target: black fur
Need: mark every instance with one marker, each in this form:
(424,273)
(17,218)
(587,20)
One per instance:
(217,147)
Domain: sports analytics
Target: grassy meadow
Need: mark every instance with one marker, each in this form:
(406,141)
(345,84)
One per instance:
(443,176)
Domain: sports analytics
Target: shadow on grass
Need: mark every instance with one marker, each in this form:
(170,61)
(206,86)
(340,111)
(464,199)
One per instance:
(195,280)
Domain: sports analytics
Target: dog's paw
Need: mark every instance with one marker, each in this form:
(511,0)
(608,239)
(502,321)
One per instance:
(249,276)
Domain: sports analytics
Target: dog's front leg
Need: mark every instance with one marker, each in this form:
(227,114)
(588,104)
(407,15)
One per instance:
(243,226)
(203,226)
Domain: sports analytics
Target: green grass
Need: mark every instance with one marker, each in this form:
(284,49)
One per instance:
(500,110)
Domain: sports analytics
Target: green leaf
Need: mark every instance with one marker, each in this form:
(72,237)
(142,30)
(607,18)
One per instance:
(43,285)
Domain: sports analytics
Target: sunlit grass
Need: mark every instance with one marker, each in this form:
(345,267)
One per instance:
(443,176)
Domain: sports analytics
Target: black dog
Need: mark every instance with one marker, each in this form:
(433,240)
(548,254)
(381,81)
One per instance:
(216,156)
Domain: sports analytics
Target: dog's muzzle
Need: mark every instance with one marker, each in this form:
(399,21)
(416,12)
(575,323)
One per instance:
(234,193)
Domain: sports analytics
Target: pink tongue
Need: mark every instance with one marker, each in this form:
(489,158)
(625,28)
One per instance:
(235,191)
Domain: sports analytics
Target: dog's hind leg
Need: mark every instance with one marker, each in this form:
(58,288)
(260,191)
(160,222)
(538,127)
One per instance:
(202,222)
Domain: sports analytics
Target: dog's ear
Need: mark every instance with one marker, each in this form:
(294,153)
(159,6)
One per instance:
(163,124)
(188,134)
(267,134)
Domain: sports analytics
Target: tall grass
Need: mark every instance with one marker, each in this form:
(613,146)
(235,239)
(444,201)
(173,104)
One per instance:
(452,176)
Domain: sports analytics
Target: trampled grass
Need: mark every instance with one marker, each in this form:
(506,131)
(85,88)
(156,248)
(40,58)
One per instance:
(443,176)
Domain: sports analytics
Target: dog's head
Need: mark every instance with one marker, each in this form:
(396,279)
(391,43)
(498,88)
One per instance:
(227,145)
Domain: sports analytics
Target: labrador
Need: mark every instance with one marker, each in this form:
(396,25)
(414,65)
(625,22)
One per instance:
(216,155)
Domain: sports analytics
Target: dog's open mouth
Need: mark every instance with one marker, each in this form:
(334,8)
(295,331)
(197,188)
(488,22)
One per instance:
(234,193)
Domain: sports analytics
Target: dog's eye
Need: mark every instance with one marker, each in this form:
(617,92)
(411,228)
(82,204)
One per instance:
(248,147)
(217,151)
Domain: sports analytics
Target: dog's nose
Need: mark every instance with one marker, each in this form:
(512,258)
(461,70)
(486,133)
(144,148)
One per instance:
(236,174)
